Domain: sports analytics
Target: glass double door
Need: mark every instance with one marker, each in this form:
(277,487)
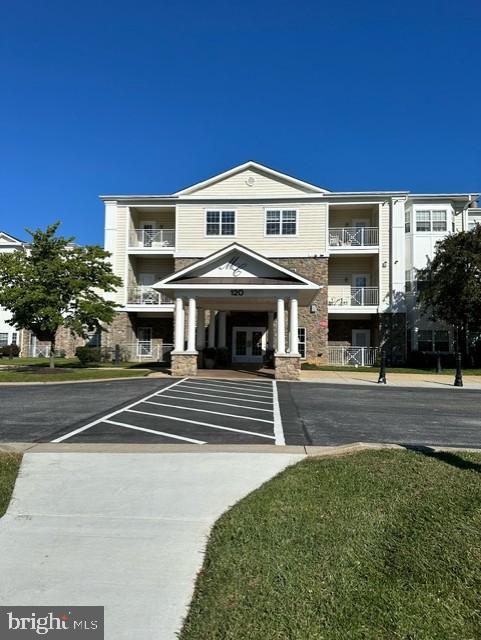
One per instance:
(248,344)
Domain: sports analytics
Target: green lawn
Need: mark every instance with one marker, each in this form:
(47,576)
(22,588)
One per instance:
(313,367)
(375,546)
(9,465)
(75,374)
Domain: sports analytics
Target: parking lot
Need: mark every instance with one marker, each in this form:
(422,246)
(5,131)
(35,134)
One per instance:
(257,411)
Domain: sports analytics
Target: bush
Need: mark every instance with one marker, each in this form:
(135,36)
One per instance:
(10,351)
(88,355)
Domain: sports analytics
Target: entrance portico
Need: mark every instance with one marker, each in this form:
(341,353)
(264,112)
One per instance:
(240,304)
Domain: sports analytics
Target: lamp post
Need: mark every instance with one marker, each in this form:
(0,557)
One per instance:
(458,380)
(382,370)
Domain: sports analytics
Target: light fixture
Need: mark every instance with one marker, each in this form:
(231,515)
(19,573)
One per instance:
(313,308)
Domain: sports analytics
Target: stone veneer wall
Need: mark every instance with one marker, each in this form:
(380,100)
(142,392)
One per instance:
(316,324)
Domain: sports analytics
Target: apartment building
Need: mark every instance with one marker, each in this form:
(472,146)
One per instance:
(8,333)
(254,262)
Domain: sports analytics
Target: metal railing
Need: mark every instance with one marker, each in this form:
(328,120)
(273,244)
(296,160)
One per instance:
(152,238)
(346,237)
(139,351)
(144,295)
(353,356)
(353,296)
(36,351)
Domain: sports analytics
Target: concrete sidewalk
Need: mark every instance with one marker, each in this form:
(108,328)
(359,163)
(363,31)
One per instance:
(366,378)
(126,531)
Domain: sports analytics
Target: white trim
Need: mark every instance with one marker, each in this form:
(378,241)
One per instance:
(243,167)
(220,212)
(267,254)
(278,430)
(237,247)
(280,234)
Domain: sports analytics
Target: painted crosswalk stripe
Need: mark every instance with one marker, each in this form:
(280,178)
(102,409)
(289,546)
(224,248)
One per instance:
(158,433)
(213,385)
(228,392)
(203,424)
(210,395)
(223,404)
(217,413)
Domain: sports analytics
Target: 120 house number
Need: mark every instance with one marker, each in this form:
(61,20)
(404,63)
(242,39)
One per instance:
(237,292)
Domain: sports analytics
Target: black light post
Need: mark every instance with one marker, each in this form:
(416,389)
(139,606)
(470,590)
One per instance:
(439,368)
(458,380)
(382,370)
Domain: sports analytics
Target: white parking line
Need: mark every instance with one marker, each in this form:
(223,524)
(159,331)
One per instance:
(158,433)
(278,430)
(234,393)
(210,395)
(216,385)
(217,413)
(223,404)
(203,424)
(114,413)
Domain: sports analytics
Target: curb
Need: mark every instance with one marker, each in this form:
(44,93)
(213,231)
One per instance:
(309,451)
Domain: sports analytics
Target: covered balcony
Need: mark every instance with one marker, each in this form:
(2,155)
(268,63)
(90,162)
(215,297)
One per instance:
(353,228)
(151,230)
(339,296)
(145,296)
(353,284)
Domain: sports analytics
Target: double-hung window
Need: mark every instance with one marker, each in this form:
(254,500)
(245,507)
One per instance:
(431,220)
(281,222)
(407,221)
(219,223)
(3,339)
(433,340)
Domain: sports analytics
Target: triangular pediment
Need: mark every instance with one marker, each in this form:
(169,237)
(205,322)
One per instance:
(235,265)
(8,240)
(251,180)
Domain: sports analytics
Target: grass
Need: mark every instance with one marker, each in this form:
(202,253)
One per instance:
(380,545)
(9,465)
(73,363)
(306,366)
(33,375)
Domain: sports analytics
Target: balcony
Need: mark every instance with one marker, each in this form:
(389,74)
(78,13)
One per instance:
(144,296)
(351,239)
(349,297)
(155,240)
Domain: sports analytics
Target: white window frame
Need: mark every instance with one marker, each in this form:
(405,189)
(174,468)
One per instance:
(280,234)
(304,341)
(430,209)
(220,212)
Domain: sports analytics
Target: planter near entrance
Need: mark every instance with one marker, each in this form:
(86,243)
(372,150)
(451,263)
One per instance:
(209,357)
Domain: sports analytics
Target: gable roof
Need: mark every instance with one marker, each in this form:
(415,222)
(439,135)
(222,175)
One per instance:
(9,238)
(186,276)
(277,175)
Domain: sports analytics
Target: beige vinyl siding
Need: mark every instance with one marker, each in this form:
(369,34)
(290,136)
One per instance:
(161,267)
(250,220)
(384,253)
(342,268)
(264,185)
(458,221)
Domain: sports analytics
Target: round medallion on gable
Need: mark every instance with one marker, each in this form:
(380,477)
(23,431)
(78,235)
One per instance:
(250,182)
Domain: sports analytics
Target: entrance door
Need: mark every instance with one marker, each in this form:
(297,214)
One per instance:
(361,338)
(144,341)
(248,344)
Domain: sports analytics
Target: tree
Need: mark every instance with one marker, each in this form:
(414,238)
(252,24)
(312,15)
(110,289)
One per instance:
(57,284)
(451,283)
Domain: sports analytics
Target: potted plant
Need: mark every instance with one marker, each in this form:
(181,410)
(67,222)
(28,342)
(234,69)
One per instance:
(209,357)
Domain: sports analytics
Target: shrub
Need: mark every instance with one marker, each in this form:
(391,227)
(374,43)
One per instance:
(88,355)
(10,351)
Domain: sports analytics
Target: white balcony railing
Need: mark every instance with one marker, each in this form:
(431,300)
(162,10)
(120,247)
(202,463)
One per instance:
(353,356)
(146,296)
(352,237)
(152,238)
(353,296)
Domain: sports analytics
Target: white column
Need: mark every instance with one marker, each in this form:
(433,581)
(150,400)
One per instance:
(270,330)
(191,326)
(221,341)
(200,328)
(179,325)
(211,336)
(281,327)
(293,327)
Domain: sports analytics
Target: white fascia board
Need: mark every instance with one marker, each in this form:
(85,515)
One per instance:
(234,246)
(233,285)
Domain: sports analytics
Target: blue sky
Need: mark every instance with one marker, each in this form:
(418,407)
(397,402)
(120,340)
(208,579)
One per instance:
(150,96)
